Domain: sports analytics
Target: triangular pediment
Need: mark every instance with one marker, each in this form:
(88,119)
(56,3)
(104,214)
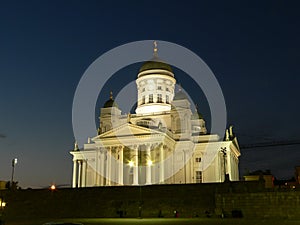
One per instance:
(127,130)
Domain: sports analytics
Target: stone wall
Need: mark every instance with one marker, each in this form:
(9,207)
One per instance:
(189,200)
(269,204)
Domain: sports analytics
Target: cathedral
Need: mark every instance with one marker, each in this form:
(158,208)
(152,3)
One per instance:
(164,142)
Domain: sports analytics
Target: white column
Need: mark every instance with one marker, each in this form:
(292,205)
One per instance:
(121,165)
(83,181)
(79,173)
(172,166)
(74,174)
(96,176)
(102,167)
(148,165)
(136,166)
(162,166)
(228,163)
(237,169)
(184,165)
(108,167)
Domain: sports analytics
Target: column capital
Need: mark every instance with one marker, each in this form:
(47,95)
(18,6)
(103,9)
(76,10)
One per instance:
(120,148)
(135,147)
(148,146)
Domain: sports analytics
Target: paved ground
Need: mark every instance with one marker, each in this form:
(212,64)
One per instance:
(163,221)
(179,221)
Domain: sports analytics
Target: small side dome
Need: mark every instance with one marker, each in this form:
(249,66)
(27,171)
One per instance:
(180,95)
(196,115)
(110,102)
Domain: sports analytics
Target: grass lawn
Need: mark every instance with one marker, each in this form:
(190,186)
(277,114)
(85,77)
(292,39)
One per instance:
(162,221)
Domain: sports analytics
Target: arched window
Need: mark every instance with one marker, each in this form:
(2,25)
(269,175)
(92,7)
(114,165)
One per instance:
(159,98)
(151,98)
(167,99)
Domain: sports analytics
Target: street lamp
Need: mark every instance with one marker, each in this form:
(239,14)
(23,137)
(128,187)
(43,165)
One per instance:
(2,206)
(2,203)
(131,164)
(52,187)
(13,163)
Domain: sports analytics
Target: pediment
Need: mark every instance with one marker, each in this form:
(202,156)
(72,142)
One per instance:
(127,130)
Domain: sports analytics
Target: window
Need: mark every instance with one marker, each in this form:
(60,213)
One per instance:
(167,89)
(198,177)
(167,99)
(159,98)
(151,98)
(143,100)
(159,88)
(198,159)
(143,89)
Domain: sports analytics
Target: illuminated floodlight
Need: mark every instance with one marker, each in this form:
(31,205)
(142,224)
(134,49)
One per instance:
(2,204)
(131,163)
(149,162)
(13,163)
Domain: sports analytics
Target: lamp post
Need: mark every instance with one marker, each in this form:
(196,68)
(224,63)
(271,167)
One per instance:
(13,163)
(2,204)
(139,164)
(132,164)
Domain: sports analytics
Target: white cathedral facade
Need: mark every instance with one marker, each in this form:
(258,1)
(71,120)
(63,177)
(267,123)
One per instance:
(163,143)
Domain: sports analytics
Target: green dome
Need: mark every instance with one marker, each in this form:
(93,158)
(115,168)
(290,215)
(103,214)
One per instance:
(155,63)
(110,103)
(180,96)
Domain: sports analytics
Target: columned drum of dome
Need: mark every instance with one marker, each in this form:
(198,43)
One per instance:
(155,85)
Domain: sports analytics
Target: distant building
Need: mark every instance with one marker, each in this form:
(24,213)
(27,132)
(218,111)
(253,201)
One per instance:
(261,175)
(3,185)
(163,143)
(292,183)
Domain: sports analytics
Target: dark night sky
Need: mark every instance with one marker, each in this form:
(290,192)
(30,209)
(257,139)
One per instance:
(253,48)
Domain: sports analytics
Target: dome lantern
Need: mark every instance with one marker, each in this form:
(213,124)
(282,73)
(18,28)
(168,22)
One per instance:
(155,84)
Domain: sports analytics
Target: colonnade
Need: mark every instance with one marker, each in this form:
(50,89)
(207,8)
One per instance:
(110,164)
(79,173)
